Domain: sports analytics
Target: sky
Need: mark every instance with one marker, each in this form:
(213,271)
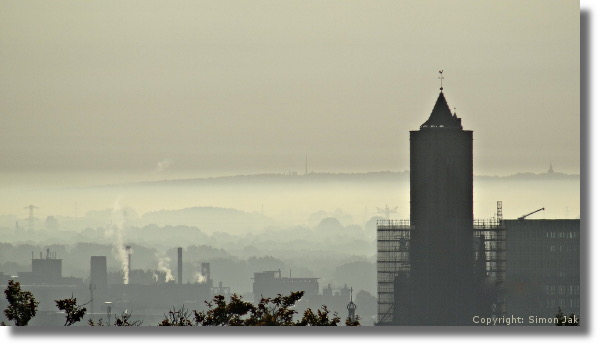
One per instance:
(146,90)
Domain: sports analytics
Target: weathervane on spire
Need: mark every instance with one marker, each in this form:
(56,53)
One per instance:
(441,78)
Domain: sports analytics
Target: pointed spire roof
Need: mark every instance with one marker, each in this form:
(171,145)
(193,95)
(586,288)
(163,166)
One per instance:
(441,116)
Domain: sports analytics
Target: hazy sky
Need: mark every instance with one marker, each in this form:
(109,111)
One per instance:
(157,88)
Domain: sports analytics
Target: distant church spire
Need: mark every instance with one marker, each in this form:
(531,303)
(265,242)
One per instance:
(351,309)
(550,170)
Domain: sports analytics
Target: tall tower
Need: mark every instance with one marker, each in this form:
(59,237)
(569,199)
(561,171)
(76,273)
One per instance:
(98,281)
(441,216)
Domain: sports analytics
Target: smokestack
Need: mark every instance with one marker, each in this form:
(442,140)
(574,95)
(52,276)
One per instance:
(98,280)
(128,250)
(179,265)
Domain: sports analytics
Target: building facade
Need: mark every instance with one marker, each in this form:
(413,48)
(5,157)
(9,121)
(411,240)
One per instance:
(542,267)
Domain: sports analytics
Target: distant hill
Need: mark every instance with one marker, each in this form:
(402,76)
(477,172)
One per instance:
(211,219)
(285,178)
(533,176)
(386,176)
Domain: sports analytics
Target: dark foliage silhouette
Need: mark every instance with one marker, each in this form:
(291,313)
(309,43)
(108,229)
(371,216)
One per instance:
(22,305)
(321,318)
(276,311)
(73,312)
(123,320)
(354,323)
(177,317)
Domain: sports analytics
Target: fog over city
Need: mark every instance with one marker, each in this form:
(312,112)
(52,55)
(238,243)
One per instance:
(265,135)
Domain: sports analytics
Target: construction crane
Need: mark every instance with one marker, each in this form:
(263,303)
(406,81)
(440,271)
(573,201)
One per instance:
(526,215)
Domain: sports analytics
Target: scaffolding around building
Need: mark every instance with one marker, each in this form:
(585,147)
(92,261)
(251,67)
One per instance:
(490,235)
(393,259)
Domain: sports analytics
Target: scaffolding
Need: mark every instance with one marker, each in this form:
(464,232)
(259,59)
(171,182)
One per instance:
(393,258)
(490,235)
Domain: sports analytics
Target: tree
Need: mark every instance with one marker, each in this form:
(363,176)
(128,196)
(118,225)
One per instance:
(22,305)
(321,318)
(562,320)
(177,317)
(355,323)
(276,311)
(221,313)
(73,312)
(124,320)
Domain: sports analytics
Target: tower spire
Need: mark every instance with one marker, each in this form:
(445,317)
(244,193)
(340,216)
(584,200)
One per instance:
(351,309)
(441,115)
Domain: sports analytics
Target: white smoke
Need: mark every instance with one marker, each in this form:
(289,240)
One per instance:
(163,165)
(115,233)
(163,265)
(199,278)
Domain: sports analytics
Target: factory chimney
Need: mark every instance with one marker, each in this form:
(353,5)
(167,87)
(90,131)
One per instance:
(179,265)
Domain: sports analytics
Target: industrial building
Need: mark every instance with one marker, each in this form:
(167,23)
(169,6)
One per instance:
(269,284)
(46,270)
(46,283)
(148,301)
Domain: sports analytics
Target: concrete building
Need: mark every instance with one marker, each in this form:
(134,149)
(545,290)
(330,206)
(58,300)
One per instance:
(542,267)
(46,271)
(46,283)
(98,282)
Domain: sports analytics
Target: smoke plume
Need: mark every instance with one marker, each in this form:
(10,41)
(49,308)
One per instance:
(163,265)
(115,233)
(199,278)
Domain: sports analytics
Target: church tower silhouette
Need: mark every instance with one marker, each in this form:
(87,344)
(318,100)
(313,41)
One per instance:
(442,281)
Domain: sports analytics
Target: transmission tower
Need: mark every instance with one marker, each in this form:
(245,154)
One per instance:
(387,211)
(31,219)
